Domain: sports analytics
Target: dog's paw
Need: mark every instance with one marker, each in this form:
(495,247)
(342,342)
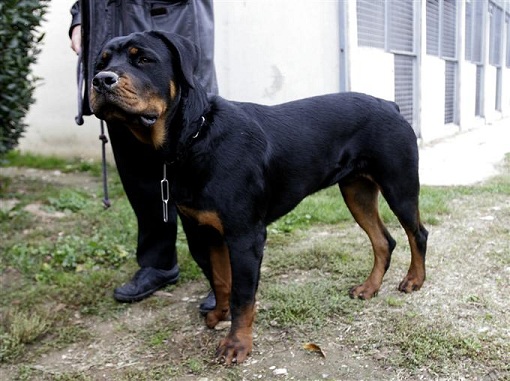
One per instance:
(410,283)
(215,316)
(234,349)
(364,291)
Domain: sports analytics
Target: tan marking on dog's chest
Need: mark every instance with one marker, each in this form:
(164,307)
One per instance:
(203,217)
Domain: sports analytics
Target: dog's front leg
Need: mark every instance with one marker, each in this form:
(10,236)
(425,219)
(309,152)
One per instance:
(245,260)
(221,283)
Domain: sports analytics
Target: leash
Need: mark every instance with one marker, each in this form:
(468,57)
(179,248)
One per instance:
(79,121)
(79,77)
(104,139)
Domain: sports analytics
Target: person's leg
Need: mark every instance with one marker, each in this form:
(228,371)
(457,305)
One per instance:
(140,170)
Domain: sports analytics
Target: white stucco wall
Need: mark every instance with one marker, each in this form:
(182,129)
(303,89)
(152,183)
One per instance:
(271,51)
(267,51)
(52,129)
(372,72)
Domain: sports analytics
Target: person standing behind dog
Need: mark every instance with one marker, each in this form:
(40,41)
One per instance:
(93,23)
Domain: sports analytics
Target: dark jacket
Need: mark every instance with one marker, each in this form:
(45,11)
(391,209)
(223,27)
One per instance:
(102,20)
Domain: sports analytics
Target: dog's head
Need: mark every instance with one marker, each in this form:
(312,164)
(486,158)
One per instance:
(138,81)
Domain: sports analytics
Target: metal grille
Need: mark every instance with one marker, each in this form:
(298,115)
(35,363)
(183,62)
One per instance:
(371,23)
(479,91)
(496,31)
(404,75)
(499,88)
(449,30)
(401,25)
(474,30)
(478,31)
(433,27)
(449,101)
(469,29)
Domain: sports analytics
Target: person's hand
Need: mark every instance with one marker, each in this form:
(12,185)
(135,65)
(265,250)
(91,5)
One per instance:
(76,39)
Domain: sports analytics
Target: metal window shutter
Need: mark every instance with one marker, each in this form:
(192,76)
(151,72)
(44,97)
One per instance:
(496,24)
(449,101)
(433,27)
(469,29)
(449,30)
(370,14)
(404,75)
(401,26)
(478,31)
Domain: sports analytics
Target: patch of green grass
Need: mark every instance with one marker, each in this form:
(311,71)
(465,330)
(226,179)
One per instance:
(69,200)
(307,302)
(329,254)
(17,159)
(434,347)
(328,208)
(18,329)
(154,373)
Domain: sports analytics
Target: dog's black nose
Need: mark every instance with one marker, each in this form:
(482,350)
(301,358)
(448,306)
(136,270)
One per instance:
(105,80)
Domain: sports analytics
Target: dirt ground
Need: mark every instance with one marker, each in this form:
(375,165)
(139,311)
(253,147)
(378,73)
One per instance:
(467,289)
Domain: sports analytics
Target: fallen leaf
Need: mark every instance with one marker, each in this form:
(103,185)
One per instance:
(314,348)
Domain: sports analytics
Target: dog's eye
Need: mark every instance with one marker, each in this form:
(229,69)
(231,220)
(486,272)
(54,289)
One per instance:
(143,60)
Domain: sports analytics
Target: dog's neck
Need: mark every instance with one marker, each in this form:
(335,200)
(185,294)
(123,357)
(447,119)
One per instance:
(187,125)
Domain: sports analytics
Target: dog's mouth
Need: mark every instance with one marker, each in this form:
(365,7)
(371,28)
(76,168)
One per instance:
(148,120)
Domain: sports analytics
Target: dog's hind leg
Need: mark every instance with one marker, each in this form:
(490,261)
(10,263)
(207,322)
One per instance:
(361,197)
(403,201)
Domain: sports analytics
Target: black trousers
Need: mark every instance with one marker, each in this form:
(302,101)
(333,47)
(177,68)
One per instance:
(141,171)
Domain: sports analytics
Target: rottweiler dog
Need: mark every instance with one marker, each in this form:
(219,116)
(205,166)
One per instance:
(234,167)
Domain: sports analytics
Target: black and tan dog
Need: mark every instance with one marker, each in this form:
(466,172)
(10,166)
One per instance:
(234,167)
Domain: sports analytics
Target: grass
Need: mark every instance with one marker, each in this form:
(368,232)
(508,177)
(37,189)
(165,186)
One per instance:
(27,160)
(71,263)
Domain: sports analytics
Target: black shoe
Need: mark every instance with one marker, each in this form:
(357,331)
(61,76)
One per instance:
(208,304)
(144,283)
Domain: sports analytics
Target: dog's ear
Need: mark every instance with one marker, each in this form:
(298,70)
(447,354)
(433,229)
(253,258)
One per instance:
(185,50)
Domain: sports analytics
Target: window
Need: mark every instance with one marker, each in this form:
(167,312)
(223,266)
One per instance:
(370,14)
(496,35)
(442,28)
(433,27)
(401,26)
(474,30)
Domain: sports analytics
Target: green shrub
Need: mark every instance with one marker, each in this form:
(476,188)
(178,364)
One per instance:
(19,47)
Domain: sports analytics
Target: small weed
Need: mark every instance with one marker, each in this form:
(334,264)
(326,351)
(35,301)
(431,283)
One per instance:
(69,200)
(195,366)
(395,302)
(20,328)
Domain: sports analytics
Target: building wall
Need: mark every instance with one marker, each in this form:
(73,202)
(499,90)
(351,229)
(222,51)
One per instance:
(272,51)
